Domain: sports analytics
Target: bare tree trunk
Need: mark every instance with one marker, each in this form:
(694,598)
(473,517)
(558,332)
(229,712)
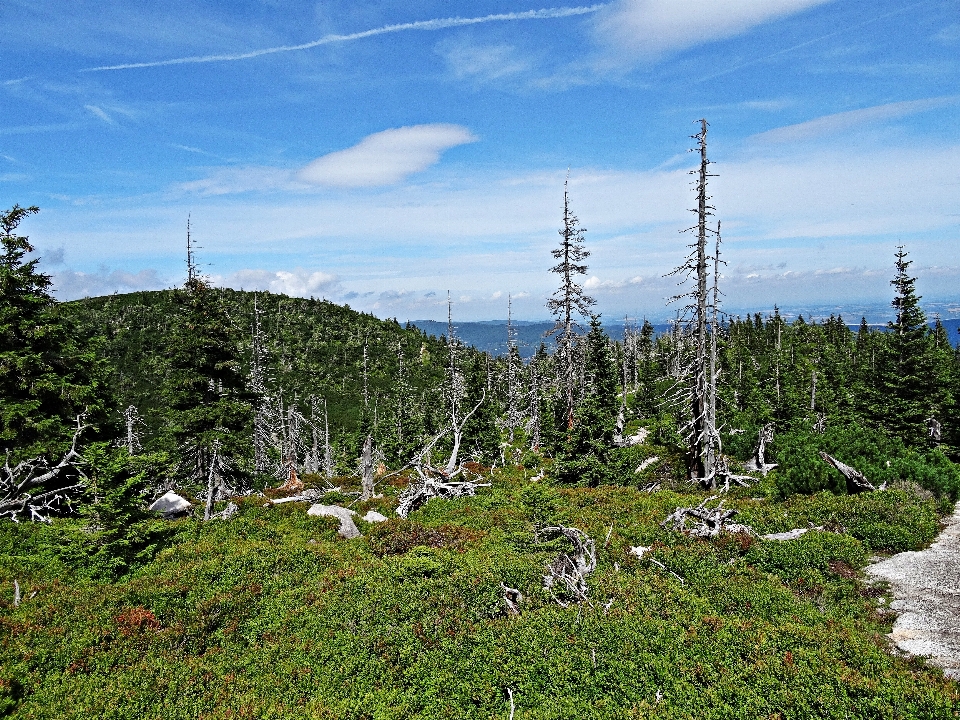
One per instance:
(327,459)
(367,482)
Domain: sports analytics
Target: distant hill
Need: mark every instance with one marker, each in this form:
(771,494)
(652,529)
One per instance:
(491,335)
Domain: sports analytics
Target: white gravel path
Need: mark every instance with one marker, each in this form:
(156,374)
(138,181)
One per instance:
(926,594)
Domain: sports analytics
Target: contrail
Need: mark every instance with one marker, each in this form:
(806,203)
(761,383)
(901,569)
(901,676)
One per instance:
(437,24)
(811,42)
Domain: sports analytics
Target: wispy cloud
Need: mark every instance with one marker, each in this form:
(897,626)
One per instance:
(387,157)
(649,29)
(421,25)
(469,61)
(839,122)
(100,113)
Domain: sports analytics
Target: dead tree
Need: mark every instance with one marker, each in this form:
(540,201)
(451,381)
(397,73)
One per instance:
(856,481)
(217,488)
(133,422)
(569,570)
(707,522)
(432,482)
(35,488)
(456,392)
(514,416)
(263,420)
(366,486)
(696,384)
(759,462)
(569,300)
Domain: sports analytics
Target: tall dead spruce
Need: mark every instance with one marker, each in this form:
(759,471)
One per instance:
(569,300)
(456,392)
(696,334)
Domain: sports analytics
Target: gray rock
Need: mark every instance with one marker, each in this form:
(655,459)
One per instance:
(348,528)
(373,516)
(170,505)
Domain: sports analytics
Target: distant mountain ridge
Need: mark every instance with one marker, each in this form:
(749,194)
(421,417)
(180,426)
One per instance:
(491,335)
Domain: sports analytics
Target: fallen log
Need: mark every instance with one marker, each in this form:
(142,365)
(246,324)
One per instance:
(790,534)
(856,481)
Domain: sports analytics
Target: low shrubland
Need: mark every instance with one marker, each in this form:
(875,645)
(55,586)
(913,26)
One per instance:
(271,614)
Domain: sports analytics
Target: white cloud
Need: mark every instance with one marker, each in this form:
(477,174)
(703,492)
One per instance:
(648,29)
(839,122)
(387,157)
(466,60)
(298,282)
(73,284)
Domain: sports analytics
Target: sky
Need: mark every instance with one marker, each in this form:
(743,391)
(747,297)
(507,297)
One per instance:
(383,154)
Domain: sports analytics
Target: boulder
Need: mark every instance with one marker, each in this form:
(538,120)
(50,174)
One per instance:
(170,505)
(373,516)
(348,528)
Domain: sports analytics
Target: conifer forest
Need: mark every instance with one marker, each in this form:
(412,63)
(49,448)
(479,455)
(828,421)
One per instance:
(219,503)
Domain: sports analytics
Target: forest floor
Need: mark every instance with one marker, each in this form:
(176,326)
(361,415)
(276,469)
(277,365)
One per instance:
(925,585)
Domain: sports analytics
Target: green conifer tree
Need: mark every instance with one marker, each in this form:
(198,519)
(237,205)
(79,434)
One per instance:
(47,373)
(906,379)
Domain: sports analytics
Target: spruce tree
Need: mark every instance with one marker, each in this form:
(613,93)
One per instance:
(47,374)
(585,455)
(209,405)
(906,378)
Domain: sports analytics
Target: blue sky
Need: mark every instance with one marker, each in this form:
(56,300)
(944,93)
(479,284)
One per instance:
(414,148)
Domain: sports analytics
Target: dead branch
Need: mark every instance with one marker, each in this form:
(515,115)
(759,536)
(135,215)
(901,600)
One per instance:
(707,522)
(21,486)
(569,570)
(856,481)
(511,599)
(432,482)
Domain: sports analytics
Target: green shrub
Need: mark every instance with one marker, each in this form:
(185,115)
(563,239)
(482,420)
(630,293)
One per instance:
(879,457)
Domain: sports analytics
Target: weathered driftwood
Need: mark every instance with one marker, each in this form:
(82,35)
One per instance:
(22,486)
(707,522)
(348,528)
(856,481)
(569,570)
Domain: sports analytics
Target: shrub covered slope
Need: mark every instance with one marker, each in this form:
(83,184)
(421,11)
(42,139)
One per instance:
(273,615)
